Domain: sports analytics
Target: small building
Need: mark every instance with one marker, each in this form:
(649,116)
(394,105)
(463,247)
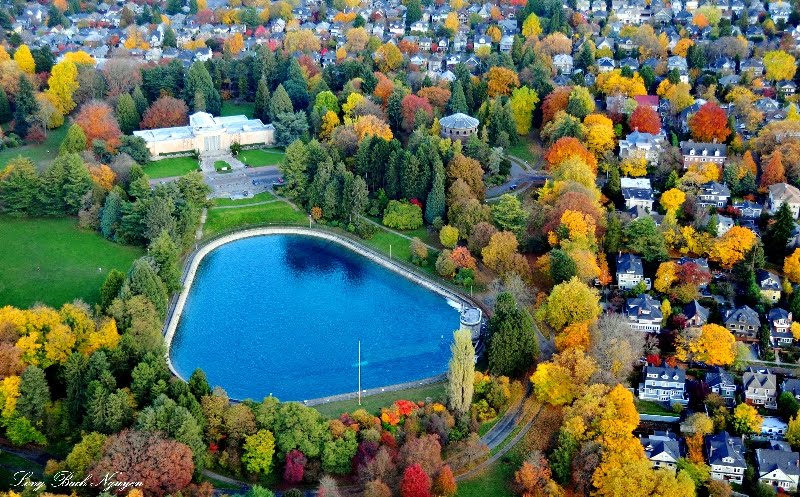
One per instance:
(778,467)
(773,428)
(563,63)
(644,313)
(760,387)
(713,194)
(791,385)
(663,384)
(630,271)
(743,322)
(696,314)
(721,383)
(697,153)
(770,285)
(638,144)
(207,135)
(781,193)
(458,126)
(725,455)
(470,320)
(662,449)
(780,327)
(748,209)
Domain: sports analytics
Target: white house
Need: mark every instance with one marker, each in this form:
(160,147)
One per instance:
(644,313)
(630,271)
(778,467)
(637,192)
(663,384)
(781,193)
(725,455)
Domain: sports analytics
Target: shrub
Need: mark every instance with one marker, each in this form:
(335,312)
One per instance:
(402,215)
(365,230)
(445,266)
(448,236)
(419,252)
(465,277)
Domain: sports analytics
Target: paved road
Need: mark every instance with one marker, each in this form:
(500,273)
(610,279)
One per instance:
(519,176)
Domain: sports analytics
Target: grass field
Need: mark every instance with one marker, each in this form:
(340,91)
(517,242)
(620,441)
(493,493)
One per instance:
(373,403)
(221,165)
(166,168)
(231,108)
(522,150)
(10,464)
(226,202)
(53,262)
(276,212)
(260,157)
(648,407)
(39,154)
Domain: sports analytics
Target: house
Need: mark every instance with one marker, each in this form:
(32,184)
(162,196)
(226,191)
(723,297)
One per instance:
(760,387)
(663,384)
(780,327)
(630,271)
(755,66)
(506,42)
(724,224)
(770,285)
(563,63)
(780,11)
(743,322)
(662,449)
(605,64)
(778,467)
(781,193)
(695,152)
(713,194)
(786,87)
(638,144)
(647,100)
(773,428)
(644,313)
(481,41)
(721,383)
(637,192)
(748,209)
(725,455)
(696,314)
(677,62)
(207,135)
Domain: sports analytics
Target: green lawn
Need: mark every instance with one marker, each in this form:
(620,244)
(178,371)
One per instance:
(494,482)
(232,108)
(10,464)
(222,166)
(648,407)
(373,403)
(40,154)
(522,151)
(277,212)
(175,166)
(260,157)
(261,197)
(52,261)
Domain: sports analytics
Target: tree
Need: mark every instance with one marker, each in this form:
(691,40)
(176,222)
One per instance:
(24,59)
(26,107)
(561,380)
(710,123)
(600,136)
(389,57)
(5,107)
(412,105)
(199,83)
(166,112)
(508,214)
(62,85)
(672,200)
(501,255)
(580,103)
(779,65)
(615,347)
(34,394)
(470,171)
(501,81)
(163,466)
(415,482)
(562,266)
(773,172)
(97,120)
(461,372)
(19,185)
(289,127)
(258,451)
(645,120)
(571,302)
(569,148)
(448,236)
(280,103)
(746,420)
(293,168)
(714,345)
(445,483)
(643,237)
(458,101)
(74,141)
(732,247)
(531,27)
(261,106)
(143,280)
(127,116)
(436,203)
(512,340)
(791,266)
(523,103)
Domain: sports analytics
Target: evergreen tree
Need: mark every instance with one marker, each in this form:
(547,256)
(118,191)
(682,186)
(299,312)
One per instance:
(26,107)
(198,384)
(165,254)
(34,395)
(779,232)
(127,117)
(261,109)
(111,287)
(411,186)
(562,267)
(436,202)
(111,214)
(712,227)
(392,184)
(672,180)
(143,280)
(290,126)
(294,170)
(613,238)
(5,108)
(193,7)
(280,103)
(747,184)
(77,182)
(199,80)
(74,141)
(457,102)
(413,12)
(394,111)
(730,176)
(585,56)
(170,40)
(614,185)
(173,7)
(19,186)
(512,340)
(139,100)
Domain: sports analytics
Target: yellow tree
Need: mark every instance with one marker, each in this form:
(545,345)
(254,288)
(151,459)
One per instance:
(780,65)
(494,33)
(9,393)
(62,85)
(357,39)
(672,199)
(791,266)
(523,102)
(370,125)
(24,59)
(574,336)
(134,39)
(531,27)
(502,81)
(634,167)
(350,104)
(713,345)
(329,122)
(600,137)
(451,23)
(234,44)
(682,47)
(666,275)
(570,302)
(80,57)
(746,419)
(733,246)
(561,380)
(388,57)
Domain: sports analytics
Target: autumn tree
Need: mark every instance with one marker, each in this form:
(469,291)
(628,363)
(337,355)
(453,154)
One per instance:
(698,425)
(501,255)
(412,105)
(415,482)
(713,345)
(600,136)
(258,451)
(97,120)
(733,246)
(570,302)
(388,57)
(523,103)
(166,112)
(710,123)
(615,347)
(556,101)
(501,81)
(24,59)
(562,379)
(791,266)
(780,65)
(531,27)
(672,200)
(746,420)
(645,120)
(62,85)
(445,483)
(773,171)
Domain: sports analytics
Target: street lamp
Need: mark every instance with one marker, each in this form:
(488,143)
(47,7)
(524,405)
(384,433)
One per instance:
(309,221)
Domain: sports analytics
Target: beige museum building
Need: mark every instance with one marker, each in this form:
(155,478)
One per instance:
(208,135)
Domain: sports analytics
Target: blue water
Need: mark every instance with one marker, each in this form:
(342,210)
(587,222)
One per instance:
(282,315)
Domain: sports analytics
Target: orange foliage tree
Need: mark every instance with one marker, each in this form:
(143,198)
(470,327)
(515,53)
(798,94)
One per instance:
(709,123)
(462,258)
(370,125)
(166,112)
(774,171)
(97,121)
(567,148)
(645,119)
(557,100)
(502,81)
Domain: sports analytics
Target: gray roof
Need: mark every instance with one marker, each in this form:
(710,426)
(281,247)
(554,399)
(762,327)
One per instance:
(743,314)
(767,280)
(791,385)
(629,263)
(768,460)
(721,446)
(459,121)
(644,306)
(657,444)
(758,378)
(718,376)
(693,309)
(709,148)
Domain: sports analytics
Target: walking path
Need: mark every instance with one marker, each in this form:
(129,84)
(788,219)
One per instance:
(215,207)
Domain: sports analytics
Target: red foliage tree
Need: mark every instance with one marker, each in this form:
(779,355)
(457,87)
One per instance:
(709,123)
(166,112)
(645,119)
(295,466)
(566,148)
(575,201)
(36,135)
(415,483)
(411,104)
(654,360)
(773,170)
(557,100)
(462,258)
(163,466)
(693,274)
(424,451)
(445,483)
(97,121)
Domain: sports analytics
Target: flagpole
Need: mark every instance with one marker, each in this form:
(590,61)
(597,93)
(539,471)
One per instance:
(359,372)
